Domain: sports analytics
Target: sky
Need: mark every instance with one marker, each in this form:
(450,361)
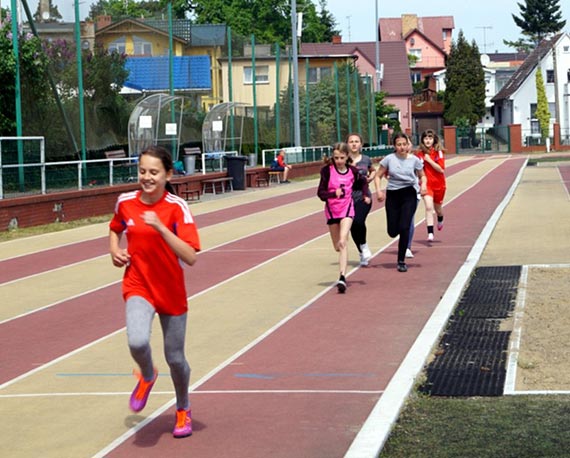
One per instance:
(487,22)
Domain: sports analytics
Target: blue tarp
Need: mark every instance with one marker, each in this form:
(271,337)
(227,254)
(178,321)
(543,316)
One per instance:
(151,73)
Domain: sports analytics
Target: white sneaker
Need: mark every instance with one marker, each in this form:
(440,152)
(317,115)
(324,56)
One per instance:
(409,253)
(363,261)
(430,237)
(365,253)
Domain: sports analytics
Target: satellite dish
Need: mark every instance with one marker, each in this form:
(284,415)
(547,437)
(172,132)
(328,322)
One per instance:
(85,44)
(45,15)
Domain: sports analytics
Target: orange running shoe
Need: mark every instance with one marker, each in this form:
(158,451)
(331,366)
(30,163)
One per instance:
(141,391)
(183,427)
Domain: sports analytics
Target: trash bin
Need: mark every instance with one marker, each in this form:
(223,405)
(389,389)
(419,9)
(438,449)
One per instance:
(488,145)
(190,163)
(236,170)
(252,160)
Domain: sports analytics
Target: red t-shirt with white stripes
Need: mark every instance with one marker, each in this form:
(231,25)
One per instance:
(154,271)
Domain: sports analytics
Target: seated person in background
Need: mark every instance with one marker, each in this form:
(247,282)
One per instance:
(280,165)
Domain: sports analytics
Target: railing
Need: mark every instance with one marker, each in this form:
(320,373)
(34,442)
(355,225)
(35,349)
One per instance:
(62,173)
(315,153)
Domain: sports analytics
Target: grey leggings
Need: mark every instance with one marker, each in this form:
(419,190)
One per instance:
(140,314)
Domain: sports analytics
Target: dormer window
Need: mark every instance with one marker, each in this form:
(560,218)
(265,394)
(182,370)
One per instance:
(141,47)
(444,34)
(118,45)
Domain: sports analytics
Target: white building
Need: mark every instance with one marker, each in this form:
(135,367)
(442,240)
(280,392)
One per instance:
(516,102)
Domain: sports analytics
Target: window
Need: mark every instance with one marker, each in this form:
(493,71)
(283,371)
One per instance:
(317,74)
(534,127)
(118,45)
(417,53)
(568,75)
(550,76)
(444,34)
(566,49)
(261,74)
(416,77)
(141,47)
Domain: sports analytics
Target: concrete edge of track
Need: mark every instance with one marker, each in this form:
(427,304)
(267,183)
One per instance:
(377,427)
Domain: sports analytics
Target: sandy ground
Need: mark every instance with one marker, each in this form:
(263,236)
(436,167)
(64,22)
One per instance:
(544,358)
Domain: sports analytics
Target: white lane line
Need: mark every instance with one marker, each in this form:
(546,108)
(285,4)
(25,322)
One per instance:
(217,247)
(74,264)
(377,427)
(516,334)
(193,393)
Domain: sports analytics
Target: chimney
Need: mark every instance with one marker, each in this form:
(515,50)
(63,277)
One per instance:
(409,23)
(103,21)
(336,39)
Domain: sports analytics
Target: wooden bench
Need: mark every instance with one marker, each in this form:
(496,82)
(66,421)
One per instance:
(212,184)
(191,194)
(121,154)
(116,154)
(274,176)
(261,181)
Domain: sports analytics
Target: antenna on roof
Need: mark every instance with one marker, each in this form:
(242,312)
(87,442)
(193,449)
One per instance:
(485,28)
(348,19)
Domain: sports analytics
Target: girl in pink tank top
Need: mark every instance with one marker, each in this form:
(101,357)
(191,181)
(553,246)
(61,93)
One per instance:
(338,180)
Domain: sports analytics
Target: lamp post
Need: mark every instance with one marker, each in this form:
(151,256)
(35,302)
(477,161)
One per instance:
(377,28)
(296,115)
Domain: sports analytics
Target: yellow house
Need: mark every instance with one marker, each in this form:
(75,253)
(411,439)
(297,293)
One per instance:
(272,77)
(150,38)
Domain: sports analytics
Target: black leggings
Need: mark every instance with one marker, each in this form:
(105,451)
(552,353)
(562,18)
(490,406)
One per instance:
(358,228)
(400,208)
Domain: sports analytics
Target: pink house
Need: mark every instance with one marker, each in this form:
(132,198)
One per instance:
(428,39)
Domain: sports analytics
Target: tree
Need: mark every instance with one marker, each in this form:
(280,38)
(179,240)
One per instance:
(386,114)
(538,19)
(118,9)
(465,83)
(34,88)
(542,113)
(269,21)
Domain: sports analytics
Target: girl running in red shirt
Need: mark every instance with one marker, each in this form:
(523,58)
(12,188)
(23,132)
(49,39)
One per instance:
(338,180)
(431,154)
(161,235)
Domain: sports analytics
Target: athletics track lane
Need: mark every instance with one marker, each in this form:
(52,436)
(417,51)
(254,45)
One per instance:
(56,330)
(45,260)
(307,388)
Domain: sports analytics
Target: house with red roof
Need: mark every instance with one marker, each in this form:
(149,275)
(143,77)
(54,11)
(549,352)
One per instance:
(428,39)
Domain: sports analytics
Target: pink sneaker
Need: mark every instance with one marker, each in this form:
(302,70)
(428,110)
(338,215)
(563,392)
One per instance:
(183,427)
(141,391)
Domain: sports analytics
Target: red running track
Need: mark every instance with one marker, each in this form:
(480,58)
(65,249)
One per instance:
(306,389)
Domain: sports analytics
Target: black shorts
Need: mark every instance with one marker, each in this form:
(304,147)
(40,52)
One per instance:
(332,221)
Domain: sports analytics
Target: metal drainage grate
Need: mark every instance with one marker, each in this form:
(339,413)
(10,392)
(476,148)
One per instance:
(471,359)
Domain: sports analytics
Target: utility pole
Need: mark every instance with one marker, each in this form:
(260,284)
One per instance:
(377,28)
(296,114)
(485,28)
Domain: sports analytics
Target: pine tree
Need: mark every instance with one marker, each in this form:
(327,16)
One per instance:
(542,112)
(465,83)
(538,19)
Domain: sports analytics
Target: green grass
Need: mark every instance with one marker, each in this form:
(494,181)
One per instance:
(502,427)
(53,227)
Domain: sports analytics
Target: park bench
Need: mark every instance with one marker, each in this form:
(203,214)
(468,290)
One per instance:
(214,182)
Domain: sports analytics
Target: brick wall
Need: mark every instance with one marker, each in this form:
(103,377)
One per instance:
(35,210)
